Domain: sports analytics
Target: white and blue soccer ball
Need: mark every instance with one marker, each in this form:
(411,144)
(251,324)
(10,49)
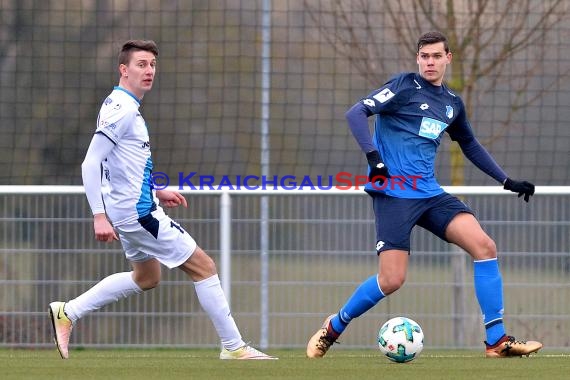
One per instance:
(401,339)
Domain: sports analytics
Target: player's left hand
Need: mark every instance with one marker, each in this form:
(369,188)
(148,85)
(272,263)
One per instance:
(171,199)
(522,187)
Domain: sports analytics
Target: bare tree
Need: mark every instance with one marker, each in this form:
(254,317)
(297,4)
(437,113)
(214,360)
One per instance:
(486,38)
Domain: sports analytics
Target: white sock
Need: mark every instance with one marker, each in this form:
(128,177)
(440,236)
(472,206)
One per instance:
(214,302)
(108,290)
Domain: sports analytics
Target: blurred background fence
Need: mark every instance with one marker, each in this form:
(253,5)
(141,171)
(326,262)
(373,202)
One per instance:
(321,245)
(58,62)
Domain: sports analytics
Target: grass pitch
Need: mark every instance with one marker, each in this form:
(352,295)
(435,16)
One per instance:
(292,364)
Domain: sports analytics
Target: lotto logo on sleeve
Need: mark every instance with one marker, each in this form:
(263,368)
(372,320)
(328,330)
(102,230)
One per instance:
(431,128)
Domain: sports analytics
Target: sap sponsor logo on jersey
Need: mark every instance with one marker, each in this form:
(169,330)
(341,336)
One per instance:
(431,128)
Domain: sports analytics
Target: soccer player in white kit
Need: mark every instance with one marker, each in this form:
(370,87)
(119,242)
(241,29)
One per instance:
(117,180)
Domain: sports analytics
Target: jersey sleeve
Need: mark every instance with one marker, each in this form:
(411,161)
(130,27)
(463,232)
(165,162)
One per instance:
(98,150)
(389,97)
(357,118)
(386,99)
(114,119)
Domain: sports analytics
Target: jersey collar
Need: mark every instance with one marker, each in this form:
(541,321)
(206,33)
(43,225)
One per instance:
(128,92)
(424,83)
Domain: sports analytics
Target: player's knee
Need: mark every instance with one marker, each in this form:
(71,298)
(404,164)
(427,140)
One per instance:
(390,283)
(487,249)
(147,283)
(200,265)
(209,266)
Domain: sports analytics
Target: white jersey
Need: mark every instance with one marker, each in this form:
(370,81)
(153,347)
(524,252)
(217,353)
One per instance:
(126,178)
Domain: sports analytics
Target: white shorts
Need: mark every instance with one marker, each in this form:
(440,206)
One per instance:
(156,236)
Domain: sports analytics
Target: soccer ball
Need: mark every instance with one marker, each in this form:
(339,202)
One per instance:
(401,339)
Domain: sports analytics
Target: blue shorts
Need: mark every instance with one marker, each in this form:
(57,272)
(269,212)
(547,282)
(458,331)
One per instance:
(395,218)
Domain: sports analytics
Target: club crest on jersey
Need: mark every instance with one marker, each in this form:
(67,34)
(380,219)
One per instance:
(431,128)
(449,111)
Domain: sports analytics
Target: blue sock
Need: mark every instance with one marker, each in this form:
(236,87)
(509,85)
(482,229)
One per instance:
(489,292)
(363,299)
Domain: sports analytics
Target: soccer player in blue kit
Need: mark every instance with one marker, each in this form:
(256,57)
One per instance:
(413,110)
(116,175)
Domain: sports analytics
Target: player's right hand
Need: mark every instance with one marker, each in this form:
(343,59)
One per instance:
(104,231)
(378,170)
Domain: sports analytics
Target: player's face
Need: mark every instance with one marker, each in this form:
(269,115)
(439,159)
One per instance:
(138,75)
(432,61)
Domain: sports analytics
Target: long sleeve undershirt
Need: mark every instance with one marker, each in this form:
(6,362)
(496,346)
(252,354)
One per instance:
(98,150)
(357,117)
(479,156)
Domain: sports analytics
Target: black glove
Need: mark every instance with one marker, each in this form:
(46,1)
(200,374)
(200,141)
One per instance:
(522,187)
(378,171)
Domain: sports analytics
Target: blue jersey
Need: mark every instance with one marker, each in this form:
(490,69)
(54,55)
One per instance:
(411,116)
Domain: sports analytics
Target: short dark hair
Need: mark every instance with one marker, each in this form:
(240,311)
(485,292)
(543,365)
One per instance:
(433,38)
(136,45)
